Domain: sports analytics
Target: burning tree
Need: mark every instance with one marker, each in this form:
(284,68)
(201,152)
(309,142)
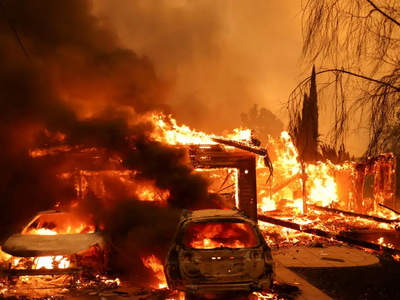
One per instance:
(356,44)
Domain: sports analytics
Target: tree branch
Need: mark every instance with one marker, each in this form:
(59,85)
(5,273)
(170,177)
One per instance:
(13,29)
(383,13)
(397,89)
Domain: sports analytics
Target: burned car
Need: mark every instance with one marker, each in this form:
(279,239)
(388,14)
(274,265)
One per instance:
(218,251)
(55,243)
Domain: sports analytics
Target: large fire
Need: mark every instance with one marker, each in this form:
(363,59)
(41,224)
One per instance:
(167,131)
(319,179)
(292,188)
(321,185)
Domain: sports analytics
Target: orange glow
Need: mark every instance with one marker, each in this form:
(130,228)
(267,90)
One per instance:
(42,231)
(265,295)
(48,262)
(149,193)
(280,194)
(42,262)
(49,151)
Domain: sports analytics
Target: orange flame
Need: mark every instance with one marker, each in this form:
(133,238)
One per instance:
(215,235)
(155,264)
(168,131)
(321,186)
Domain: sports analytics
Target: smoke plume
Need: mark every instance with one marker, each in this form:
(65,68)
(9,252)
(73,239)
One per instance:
(76,79)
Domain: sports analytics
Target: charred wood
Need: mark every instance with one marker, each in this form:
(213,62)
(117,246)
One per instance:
(348,213)
(279,222)
(325,234)
(391,209)
(239,145)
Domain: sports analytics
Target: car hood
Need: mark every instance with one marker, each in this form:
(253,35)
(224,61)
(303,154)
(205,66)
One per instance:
(26,245)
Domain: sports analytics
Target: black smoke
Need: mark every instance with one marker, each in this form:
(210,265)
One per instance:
(79,81)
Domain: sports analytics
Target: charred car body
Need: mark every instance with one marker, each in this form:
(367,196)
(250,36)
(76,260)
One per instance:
(55,243)
(218,251)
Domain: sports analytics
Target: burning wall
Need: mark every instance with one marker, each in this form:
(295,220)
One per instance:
(326,183)
(383,168)
(340,186)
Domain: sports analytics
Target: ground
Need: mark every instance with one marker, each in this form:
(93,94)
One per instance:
(352,274)
(380,281)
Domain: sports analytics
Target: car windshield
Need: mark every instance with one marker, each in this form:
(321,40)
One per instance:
(220,235)
(59,223)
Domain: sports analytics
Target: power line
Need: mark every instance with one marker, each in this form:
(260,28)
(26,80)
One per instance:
(15,32)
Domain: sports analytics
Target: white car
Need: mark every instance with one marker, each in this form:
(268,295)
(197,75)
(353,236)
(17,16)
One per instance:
(56,242)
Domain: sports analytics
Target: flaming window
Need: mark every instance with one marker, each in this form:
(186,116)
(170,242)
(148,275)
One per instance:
(220,235)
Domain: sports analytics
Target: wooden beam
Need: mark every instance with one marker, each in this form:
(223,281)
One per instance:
(391,209)
(351,214)
(326,234)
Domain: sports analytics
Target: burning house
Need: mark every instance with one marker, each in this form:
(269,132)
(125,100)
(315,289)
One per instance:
(84,134)
(266,183)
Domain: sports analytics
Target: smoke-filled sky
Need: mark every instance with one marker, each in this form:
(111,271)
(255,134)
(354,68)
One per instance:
(220,57)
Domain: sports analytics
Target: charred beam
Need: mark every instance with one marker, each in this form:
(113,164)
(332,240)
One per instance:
(391,209)
(351,214)
(325,234)
(239,145)
(279,222)
(364,244)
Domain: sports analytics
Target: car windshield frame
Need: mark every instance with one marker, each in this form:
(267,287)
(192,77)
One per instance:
(26,228)
(187,224)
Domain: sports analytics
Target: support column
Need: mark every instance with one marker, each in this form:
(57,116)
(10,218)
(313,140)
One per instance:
(248,187)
